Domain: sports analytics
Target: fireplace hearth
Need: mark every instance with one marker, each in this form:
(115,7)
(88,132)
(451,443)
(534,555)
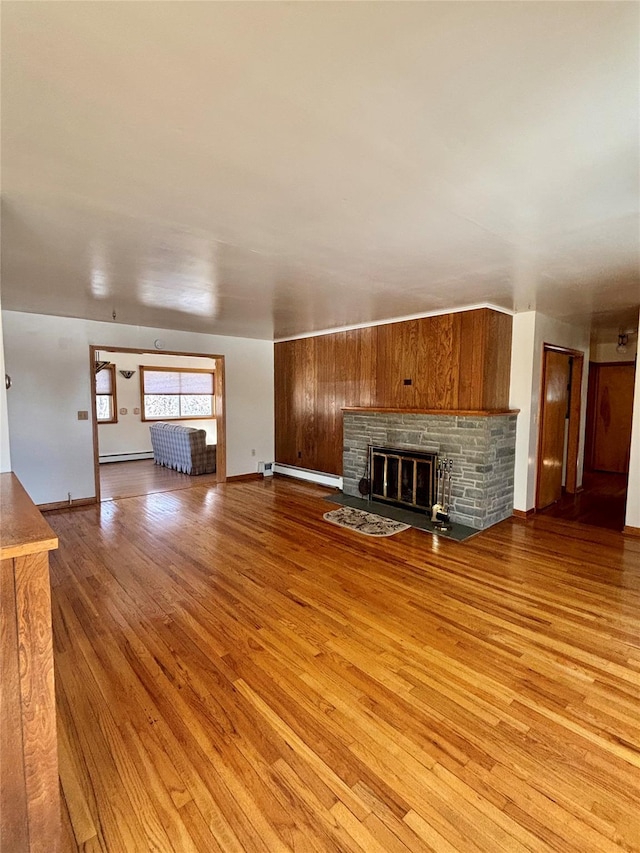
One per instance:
(402,477)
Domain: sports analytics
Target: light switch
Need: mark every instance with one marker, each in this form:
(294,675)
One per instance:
(136,411)
(83,416)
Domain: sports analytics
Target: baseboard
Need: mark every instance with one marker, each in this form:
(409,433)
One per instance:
(76,502)
(125,457)
(523,514)
(331,480)
(239,478)
(631,531)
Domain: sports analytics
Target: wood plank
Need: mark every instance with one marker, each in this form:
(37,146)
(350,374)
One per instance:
(497,359)
(239,675)
(14,826)
(471,360)
(24,530)
(144,477)
(285,415)
(39,744)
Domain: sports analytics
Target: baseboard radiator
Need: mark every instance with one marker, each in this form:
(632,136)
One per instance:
(125,457)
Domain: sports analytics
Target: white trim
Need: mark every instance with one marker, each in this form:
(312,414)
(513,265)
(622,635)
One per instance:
(125,457)
(331,480)
(437,313)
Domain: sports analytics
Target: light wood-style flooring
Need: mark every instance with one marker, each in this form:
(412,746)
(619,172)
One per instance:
(236,674)
(144,477)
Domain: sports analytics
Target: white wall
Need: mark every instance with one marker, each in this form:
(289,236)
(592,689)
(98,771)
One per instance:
(48,358)
(531,330)
(633,490)
(5,452)
(606,351)
(522,351)
(131,434)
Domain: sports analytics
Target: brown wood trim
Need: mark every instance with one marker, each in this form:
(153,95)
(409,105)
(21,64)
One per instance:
(76,502)
(221,420)
(524,514)
(590,426)
(567,350)
(575,406)
(150,351)
(631,531)
(475,413)
(239,478)
(24,530)
(94,420)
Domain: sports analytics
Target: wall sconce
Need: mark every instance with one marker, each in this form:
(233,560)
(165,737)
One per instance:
(100,365)
(126,373)
(623,340)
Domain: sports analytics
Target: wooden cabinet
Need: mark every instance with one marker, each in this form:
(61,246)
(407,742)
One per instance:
(29,794)
(455,361)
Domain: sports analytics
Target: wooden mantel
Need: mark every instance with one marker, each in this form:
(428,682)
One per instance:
(29,793)
(472,413)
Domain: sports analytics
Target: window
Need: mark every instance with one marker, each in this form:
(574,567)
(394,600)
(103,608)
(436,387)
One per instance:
(174,394)
(106,406)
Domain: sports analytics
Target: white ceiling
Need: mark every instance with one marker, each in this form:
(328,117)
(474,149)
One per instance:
(269,169)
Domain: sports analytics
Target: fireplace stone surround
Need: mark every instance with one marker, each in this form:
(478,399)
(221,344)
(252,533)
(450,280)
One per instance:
(481,444)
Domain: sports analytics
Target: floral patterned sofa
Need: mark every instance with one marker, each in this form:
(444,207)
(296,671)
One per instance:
(182,448)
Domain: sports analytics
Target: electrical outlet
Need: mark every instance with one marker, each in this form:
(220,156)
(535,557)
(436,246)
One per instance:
(253,452)
(83,416)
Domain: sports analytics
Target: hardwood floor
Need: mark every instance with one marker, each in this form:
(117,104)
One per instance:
(236,674)
(601,502)
(144,477)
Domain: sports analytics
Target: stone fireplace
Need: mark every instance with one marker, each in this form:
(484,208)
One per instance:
(481,444)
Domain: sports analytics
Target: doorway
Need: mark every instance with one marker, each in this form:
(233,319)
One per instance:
(560,400)
(136,473)
(609,416)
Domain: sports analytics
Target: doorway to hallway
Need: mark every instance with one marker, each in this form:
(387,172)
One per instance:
(600,503)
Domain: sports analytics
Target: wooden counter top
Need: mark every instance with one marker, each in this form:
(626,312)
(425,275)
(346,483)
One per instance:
(484,413)
(23,530)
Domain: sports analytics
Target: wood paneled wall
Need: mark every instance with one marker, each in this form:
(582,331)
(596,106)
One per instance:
(454,361)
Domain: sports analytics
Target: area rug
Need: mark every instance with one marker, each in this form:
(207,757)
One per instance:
(364,522)
(419,520)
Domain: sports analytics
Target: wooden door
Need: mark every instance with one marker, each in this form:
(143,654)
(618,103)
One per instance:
(613,411)
(554,411)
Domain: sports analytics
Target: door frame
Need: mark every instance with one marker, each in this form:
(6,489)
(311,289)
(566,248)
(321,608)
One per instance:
(220,396)
(575,401)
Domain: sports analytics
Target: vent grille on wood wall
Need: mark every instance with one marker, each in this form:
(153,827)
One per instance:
(403,477)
